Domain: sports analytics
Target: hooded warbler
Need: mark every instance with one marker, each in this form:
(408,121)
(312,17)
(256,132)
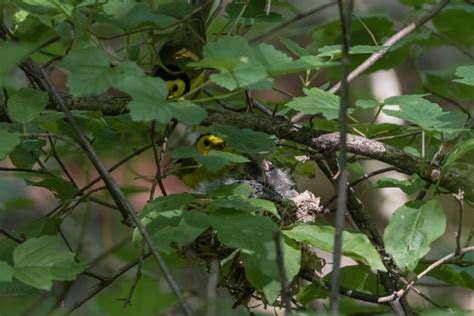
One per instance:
(182,47)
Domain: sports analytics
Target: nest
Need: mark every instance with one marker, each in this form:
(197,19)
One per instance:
(206,248)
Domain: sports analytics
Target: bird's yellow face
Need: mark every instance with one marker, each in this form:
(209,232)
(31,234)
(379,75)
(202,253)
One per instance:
(206,142)
(176,88)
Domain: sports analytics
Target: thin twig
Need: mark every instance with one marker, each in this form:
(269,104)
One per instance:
(158,179)
(459,197)
(345,13)
(285,285)
(386,48)
(103,284)
(359,180)
(10,236)
(128,300)
(430,268)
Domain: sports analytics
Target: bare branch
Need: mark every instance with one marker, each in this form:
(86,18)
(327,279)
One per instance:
(345,14)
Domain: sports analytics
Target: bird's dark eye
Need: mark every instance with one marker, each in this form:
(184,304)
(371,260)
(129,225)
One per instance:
(207,142)
(174,88)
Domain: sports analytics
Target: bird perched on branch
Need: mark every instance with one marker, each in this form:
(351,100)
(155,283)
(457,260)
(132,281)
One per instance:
(182,47)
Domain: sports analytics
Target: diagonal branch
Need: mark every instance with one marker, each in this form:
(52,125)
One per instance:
(386,48)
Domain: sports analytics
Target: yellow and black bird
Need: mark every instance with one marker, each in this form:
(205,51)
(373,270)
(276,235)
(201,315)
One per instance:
(196,174)
(182,47)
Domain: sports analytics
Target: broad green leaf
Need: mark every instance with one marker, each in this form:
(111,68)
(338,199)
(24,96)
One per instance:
(26,105)
(8,143)
(456,15)
(410,186)
(236,61)
(10,55)
(449,275)
(6,272)
(240,189)
(149,102)
(240,203)
(179,227)
(317,101)
(412,229)
(61,188)
(444,86)
(293,47)
(249,232)
(278,63)
(466,73)
(214,161)
(416,110)
(167,203)
(254,12)
(271,285)
(244,140)
(129,14)
(465,152)
(91,73)
(38,262)
(367,104)
(355,245)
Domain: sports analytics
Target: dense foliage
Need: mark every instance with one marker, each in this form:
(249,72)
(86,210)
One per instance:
(81,111)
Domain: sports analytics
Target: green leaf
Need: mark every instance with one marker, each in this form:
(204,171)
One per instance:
(244,140)
(61,188)
(8,143)
(6,272)
(449,275)
(129,14)
(410,186)
(167,203)
(271,284)
(10,55)
(38,262)
(355,245)
(236,61)
(214,161)
(149,102)
(367,104)
(26,105)
(416,110)
(412,229)
(240,203)
(467,75)
(293,47)
(254,12)
(179,227)
(465,152)
(317,101)
(278,63)
(456,15)
(91,73)
(241,189)
(443,85)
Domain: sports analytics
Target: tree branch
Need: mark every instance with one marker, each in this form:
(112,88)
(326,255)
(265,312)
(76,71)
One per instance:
(345,14)
(386,48)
